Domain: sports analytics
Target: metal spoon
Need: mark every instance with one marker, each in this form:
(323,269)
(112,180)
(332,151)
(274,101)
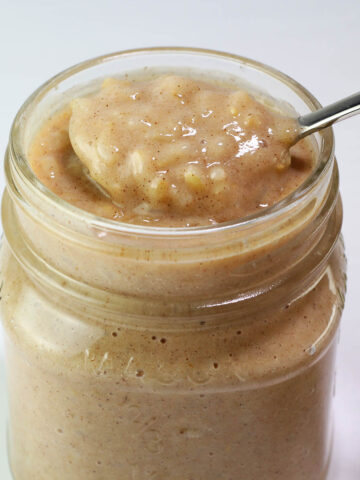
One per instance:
(309,123)
(314,121)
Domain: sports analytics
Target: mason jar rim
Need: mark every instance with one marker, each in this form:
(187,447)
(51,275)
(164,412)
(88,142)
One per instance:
(25,171)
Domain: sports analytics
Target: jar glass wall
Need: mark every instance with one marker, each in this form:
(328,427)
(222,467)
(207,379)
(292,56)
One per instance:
(153,353)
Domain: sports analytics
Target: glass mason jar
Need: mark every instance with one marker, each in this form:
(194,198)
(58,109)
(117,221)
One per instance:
(140,353)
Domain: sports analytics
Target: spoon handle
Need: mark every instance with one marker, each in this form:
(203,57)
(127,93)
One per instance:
(326,116)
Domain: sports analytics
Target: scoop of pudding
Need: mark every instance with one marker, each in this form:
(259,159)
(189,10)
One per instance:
(175,145)
(171,151)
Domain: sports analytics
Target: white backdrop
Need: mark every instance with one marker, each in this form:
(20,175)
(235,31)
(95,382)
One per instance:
(316,42)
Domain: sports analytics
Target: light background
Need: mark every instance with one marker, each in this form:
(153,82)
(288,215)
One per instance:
(316,42)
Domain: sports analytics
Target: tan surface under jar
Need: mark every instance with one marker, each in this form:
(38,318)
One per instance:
(138,353)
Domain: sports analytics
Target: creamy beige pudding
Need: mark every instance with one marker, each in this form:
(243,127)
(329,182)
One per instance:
(206,357)
(171,151)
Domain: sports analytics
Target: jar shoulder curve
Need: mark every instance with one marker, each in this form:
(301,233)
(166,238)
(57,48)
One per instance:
(268,346)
